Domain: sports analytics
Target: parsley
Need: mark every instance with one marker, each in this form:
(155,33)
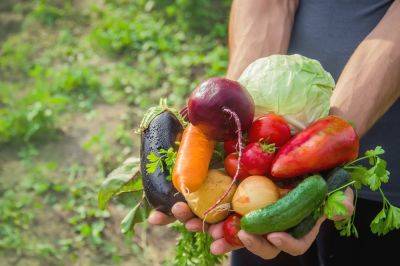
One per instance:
(387,219)
(194,248)
(373,177)
(334,205)
(347,227)
(165,158)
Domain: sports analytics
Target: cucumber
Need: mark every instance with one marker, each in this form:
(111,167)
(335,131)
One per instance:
(304,226)
(336,178)
(289,210)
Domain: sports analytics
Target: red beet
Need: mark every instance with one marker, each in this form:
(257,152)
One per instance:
(213,105)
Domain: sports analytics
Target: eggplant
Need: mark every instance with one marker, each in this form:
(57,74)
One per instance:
(160,132)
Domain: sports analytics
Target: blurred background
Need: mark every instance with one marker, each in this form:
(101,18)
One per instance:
(75,79)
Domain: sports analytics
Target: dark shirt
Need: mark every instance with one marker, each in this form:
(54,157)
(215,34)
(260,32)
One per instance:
(330,31)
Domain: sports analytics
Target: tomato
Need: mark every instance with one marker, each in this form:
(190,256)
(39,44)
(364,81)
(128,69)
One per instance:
(230,146)
(231,227)
(257,158)
(231,162)
(271,128)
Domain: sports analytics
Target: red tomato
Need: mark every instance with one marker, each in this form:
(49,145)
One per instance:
(231,162)
(231,227)
(271,128)
(257,158)
(230,146)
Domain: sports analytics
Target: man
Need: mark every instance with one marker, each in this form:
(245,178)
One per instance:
(358,42)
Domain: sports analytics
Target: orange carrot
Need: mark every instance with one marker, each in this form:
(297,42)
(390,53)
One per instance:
(194,156)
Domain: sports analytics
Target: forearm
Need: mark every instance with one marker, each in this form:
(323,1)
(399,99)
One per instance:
(370,82)
(258,28)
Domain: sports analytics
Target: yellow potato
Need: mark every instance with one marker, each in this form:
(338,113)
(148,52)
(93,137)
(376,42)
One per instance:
(253,193)
(207,195)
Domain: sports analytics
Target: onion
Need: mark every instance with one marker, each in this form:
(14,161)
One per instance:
(254,192)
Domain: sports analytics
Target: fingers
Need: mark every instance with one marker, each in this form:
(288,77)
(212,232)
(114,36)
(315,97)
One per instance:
(291,245)
(348,202)
(159,218)
(196,225)
(258,245)
(220,246)
(182,212)
(216,231)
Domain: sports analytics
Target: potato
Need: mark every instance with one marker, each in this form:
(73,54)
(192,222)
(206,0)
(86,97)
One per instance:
(207,195)
(253,193)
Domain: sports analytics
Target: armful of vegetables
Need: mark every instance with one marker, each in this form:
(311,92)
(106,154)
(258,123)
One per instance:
(274,180)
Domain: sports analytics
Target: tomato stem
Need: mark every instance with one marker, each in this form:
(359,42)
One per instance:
(267,148)
(239,150)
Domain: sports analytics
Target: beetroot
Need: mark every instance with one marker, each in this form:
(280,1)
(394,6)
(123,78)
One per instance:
(214,104)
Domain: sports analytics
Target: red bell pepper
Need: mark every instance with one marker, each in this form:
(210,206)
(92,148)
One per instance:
(325,144)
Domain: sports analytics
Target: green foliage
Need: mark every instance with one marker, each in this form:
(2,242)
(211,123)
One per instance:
(64,59)
(15,57)
(194,248)
(158,161)
(47,13)
(31,115)
(334,205)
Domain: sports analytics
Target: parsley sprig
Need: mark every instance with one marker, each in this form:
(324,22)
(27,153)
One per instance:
(193,249)
(165,159)
(373,177)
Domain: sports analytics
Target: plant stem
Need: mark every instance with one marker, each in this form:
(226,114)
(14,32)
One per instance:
(240,149)
(357,160)
(339,188)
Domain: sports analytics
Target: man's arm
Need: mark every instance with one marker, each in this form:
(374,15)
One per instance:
(258,28)
(370,82)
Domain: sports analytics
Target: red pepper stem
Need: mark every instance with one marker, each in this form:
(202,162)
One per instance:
(239,150)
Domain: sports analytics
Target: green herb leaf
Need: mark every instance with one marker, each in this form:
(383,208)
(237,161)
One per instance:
(125,178)
(358,175)
(137,214)
(376,175)
(194,248)
(393,218)
(155,162)
(378,223)
(388,219)
(169,159)
(166,157)
(346,227)
(334,205)
(375,152)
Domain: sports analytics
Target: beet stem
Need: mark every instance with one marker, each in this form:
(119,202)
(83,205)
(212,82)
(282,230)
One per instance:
(239,150)
(184,113)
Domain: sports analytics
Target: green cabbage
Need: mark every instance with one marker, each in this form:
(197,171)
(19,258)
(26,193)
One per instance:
(293,86)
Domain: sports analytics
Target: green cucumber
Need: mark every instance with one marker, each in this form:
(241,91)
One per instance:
(336,178)
(289,210)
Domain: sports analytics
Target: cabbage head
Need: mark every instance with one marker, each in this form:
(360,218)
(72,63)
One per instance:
(293,86)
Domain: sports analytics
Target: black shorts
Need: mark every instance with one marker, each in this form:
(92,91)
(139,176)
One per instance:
(331,249)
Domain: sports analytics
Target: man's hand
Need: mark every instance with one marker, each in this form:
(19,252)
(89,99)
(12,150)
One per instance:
(267,247)
(181,212)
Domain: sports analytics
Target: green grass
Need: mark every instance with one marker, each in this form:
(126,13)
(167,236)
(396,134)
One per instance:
(81,61)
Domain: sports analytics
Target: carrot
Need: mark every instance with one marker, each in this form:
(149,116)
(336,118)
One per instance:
(194,156)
